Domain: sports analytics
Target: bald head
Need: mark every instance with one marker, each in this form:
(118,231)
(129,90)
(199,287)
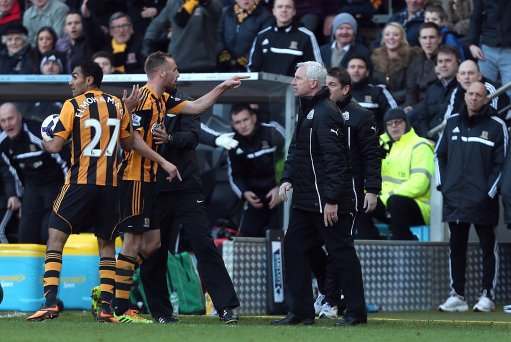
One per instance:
(10,119)
(475,98)
(468,73)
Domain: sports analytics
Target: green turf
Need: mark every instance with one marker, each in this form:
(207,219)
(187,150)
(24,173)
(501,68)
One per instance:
(395,327)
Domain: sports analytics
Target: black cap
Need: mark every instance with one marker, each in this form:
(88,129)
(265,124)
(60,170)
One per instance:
(395,113)
(13,28)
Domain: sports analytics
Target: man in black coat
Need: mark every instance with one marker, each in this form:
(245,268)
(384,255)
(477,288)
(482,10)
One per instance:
(471,153)
(324,200)
(181,212)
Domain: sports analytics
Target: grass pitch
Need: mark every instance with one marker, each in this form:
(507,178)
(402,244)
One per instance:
(395,327)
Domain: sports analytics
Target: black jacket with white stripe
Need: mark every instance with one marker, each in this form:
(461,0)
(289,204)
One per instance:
(25,154)
(375,98)
(470,156)
(279,49)
(318,162)
(251,165)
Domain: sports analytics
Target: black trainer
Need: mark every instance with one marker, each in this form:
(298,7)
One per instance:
(292,319)
(227,316)
(167,319)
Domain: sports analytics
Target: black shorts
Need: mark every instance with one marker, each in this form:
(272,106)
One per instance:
(86,208)
(137,206)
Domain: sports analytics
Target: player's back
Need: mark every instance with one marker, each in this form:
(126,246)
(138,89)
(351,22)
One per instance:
(94,122)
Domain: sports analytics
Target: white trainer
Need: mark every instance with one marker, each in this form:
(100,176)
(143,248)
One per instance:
(507,309)
(318,304)
(454,303)
(485,304)
(328,311)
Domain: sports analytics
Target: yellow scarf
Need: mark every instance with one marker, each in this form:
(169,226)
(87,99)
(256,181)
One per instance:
(119,48)
(242,14)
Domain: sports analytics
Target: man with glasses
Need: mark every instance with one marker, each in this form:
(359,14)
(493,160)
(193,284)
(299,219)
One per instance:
(124,44)
(406,177)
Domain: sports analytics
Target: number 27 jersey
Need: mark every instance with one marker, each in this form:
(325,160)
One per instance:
(94,122)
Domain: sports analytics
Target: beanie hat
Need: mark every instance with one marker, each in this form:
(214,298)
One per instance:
(344,18)
(395,114)
(51,57)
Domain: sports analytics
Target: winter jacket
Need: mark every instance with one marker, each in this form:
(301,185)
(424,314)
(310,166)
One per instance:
(470,155)
(318,163)
(419,75)
(279,49)
(364,149)
(356,49)
(374,98)
(407,170)
(490,24)
(251,165)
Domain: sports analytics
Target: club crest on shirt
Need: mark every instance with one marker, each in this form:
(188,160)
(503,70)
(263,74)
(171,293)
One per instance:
(293,45)
(345,116)
(239,151)
(368,98)
(32,148)
(310,115)
(136,119)
(147,222)
(265,144)
(484,135)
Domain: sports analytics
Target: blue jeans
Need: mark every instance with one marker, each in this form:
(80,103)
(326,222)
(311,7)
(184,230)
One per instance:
(497,63)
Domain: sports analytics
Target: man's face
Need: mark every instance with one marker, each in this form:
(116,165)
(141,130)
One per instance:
(244,122)
(6,5)
(468,74)
(121,30)
(446,66)
(10,120)
(105,65)
(50,68)
(284,11)
(338,92)
(169,74)
(39,3)
(429,41)
(78,82)
(396,128)
(414,5)
(14,42)
(475,97)
(344,34)
(73,26)
(302,86)
(358,70)
(433,17)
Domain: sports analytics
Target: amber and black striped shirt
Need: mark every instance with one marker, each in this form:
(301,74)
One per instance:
(94,121)
(151,111)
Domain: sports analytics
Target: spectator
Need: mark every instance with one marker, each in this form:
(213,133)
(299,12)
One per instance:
(41,173)
(376,99)
(46,41)
(279,48)
(238,28)
(309,14)
(102,10)
(343,43)
(252,171)
(362,10)
(406,177)
(17,57)
(421,72)
(104,59)
(411,18)
(143,12)
(10,11)
(44,13)
(468,73)
(194,26)
(391,61)
(490,39)
(124,44)
(458,12)
(429,113)
(82,36)
(436,14)
(471,154)
(51,64)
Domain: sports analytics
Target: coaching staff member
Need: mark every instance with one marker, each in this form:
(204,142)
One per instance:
(317,169)
(40,172)
(181,211)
